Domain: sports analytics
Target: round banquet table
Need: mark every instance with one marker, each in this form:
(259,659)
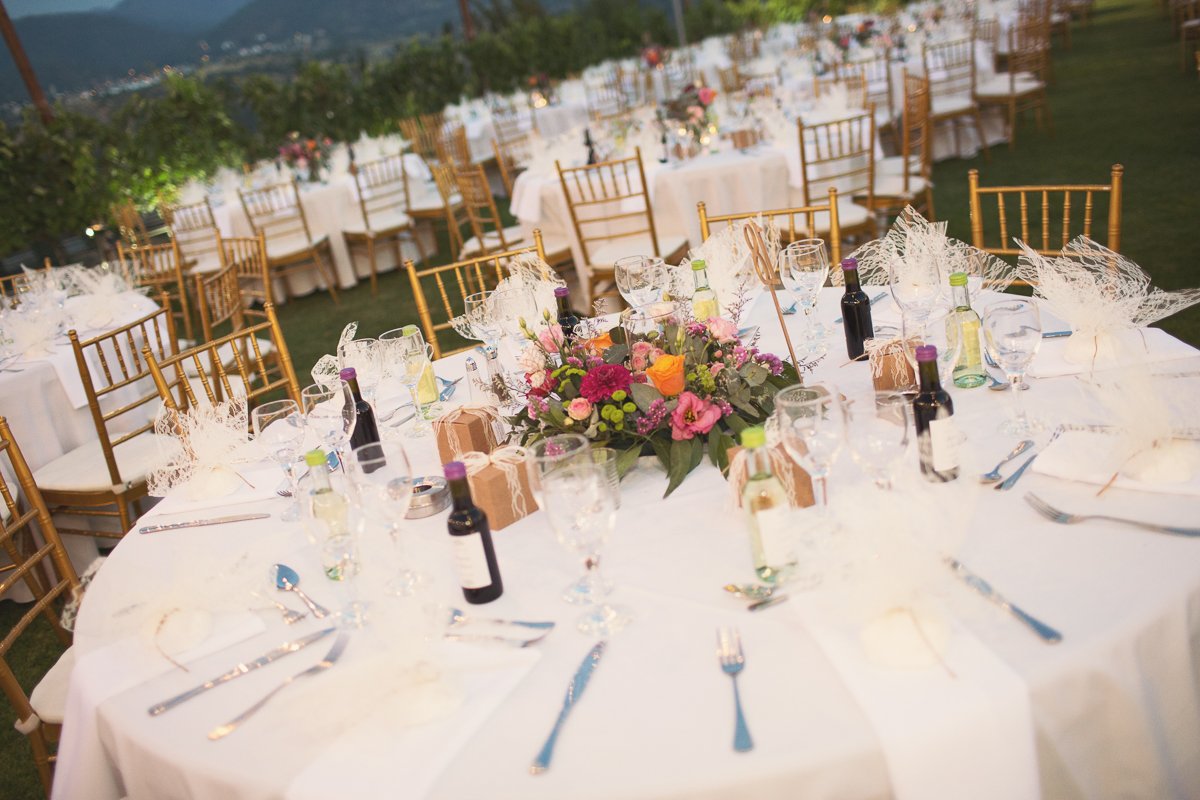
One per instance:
(1112,709)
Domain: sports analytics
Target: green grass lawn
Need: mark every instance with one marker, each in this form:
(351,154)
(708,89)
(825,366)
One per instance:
(1118,97)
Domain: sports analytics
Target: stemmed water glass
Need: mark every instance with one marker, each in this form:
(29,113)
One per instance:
(366,357)
(543,459)
(279,427)
(640,279)
(877,433)
(412,359)
(330,412)
(382,480)
(581,504)
(936,326)
(803,268)
(810,423)
(1012,331)
(477,308)
(916,284)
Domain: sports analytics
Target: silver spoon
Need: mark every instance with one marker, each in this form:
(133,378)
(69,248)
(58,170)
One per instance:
(458,617)
(750,591)
(994,476)
(288,580)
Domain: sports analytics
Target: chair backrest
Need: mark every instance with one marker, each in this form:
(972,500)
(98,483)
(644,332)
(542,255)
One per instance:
(877,74)
(1028,51)
(840,153)
(1048,222)
(276,212)
(382,186)
(606,102)
(41,563)
(988,31)
(852,81)
(422,141)
(453,146)
(248,256)
(794,224)
(219,300)
(486,224)
(434,121)
(114,374)
(608,201)
(915,137)
(453,283)
(130,225)
(730,78)
(194,229)
(508,125)
(950,67)
(160,267)
(256,373)
(456,215)
(511,156)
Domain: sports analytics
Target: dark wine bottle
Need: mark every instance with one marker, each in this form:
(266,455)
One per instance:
(567,319)
(937,438)
(590,145)
(856,311)
(366,430)
(471,541)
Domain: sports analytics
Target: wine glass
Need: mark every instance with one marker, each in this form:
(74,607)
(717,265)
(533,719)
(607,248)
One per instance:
(811,426)
(803,268)
(545,457)
(514,308)
(279,426)
(916,282)
(330,412)
(366,357)
(1012,331)
(581,504)
(939,328)
(650,322)
(877,433)
(382,480)
(640,279)
(412,359)
(478,311)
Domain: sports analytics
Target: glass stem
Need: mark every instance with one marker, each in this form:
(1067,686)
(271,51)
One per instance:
(1019,407)
(594,580)
(418,406)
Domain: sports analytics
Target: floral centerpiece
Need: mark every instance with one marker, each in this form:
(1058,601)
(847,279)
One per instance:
(680,392)
(689,115)
(654,56)
(540,90)
(305,155)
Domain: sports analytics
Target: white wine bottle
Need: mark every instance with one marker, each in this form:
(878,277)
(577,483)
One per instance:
(767,510)
(704,299)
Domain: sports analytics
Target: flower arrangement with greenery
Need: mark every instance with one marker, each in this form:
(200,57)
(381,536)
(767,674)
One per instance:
(684,390)
(689,112)
(305,153)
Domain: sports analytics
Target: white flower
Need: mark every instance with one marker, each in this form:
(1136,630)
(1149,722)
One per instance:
(532,361)
(536,379)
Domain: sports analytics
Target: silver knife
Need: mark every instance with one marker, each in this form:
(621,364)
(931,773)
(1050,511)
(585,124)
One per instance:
(574,692)
(977,583)
(198,523)
(1056,334)
(874,300)
(287,648)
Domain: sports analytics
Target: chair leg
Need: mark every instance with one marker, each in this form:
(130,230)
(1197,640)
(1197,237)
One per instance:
(979,131)
(1012,125)
(929,215)
(374,267)
(326,272)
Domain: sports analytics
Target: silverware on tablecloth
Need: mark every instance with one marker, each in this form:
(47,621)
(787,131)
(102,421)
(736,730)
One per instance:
(1056,334)
(732,660)
(335,652)
(457,617)
(770,601)
(290,616)
(200,523)
(790,309)
(288,580)
(1048,634)
(1011,480)
(1064,518)
(403,419)
(287,648)
(750,591)
(994,475)
(487,637)
(874,300)
(579,682)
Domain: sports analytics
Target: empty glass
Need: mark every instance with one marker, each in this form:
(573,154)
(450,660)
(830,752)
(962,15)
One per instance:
(917,282)
(412,358)
(803,268)
(478,311)
(544,458)
(650,322)
(330,413)
(1012,332)
(938,327)
(279,427)
(878,434)
(811,426)
(382,480)
(366,357)
(640,279)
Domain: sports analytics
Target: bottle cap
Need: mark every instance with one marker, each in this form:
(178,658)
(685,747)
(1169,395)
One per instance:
(926,352)
(958,279)
(454,470)
(560,291)
(850,263)
(754,437)
(699,264)
(348,374)
(408,330)
(314,458)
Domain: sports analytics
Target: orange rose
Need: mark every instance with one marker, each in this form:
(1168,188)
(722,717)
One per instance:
(599,344)
(667,374)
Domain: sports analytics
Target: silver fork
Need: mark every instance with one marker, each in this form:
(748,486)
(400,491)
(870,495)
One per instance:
(731,658)
(1063,518)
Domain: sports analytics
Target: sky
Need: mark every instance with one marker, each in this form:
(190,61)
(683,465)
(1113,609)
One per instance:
(23,8)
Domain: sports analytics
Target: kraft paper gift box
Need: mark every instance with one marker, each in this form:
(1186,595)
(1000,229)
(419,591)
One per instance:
(500,485)
(467,429)
(796,481)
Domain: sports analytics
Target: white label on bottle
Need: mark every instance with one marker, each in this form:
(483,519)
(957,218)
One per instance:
(470,562)
(944,439)
(775,535)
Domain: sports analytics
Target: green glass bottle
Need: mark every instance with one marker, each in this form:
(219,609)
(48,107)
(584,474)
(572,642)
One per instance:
(968,370)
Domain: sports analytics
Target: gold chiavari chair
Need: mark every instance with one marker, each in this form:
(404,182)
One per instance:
(434,121)
(841,153)
(511,157)
(452,211)
(465,278)
(490,235)
(679,72)
(11,286)
(237,364)
(508,126)
(606,102)
(907,179)
(851,82)
(131,228)
(160,267)
(794,224)
(222,305)
(1054,221)
(951,70)
(195,230)
(423,142)
(453,147)
(276,212)
(1023,86)
(248,255)
(730,79)
(876,74)
(612,218)
(111,470)
(382,187)
(988,32)
(46,570)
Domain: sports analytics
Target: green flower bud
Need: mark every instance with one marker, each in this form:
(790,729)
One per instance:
(602,427)
(629,408)
(619,395)
(617,414)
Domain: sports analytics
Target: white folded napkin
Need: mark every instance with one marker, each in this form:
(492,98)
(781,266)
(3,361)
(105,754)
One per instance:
(216,493)
(1145,345)
(1094,456)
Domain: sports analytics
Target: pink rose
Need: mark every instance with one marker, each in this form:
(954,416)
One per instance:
(721,329)
(691,416)
(639,357)
(707,95)
(695,112)
(655,352)
(550,337)
(579,409)
(715,368)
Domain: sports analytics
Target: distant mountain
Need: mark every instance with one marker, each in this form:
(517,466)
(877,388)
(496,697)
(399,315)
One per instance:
(186,16)
(29,8)
(343,20)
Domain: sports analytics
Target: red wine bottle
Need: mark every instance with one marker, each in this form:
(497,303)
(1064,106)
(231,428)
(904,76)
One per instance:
(471,541)
(856,311)
(567,319)
(937,438)
(366,430)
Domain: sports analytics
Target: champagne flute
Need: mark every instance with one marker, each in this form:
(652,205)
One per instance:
(412,360)
(640,279)
(382,480)
(803,267)
(1012,331)
(545,457)
(581,504)
(330,412)
(279,426)
(811,425)
(877,433)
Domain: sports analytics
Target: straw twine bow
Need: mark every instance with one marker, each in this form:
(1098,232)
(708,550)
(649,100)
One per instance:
(768,274)
(510,460)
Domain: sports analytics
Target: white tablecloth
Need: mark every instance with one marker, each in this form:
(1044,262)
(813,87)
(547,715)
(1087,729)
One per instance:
(1115,707)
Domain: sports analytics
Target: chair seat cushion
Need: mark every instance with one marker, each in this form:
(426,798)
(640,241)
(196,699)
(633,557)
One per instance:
(850,215)
(382,221)
(283,248)
(83,469)
(951,104)
(893,185)
(999,86)
(49,697)
(513,237)
(609,252)
(203,263)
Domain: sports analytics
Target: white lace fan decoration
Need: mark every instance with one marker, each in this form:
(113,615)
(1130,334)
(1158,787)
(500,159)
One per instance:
(198,448)
(1099,293)
(729,264)
(524,270)
(326,370)
(916,247)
